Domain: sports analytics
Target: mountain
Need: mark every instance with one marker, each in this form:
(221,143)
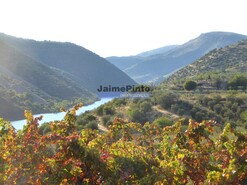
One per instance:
(45,76)
(25,83)
(223,62)
(75,62)
(221,83)
(157,51)
(155,68)
(125,63)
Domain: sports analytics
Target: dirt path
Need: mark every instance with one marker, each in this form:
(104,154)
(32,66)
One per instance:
(102,128)
(157,108)
(163,111)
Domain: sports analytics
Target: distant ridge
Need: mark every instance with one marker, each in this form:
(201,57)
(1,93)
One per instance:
(155,68)
(128,62)
(226,62)
(157,51)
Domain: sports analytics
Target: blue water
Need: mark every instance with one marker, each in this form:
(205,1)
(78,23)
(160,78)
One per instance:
(59,116)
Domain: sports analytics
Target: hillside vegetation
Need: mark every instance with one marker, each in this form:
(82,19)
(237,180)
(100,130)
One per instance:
(129,153)
(222,63)
(218,93)
(191,131)
(221,80)
(45,76)
(28,84)
(80,65)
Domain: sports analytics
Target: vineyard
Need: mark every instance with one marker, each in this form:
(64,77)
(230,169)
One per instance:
(128,153)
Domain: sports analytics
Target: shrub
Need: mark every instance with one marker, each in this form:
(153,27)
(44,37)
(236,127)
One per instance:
(92,125)
(163,122)
(105,119)
(129,153)
(108,110)
(99,110)
(167,99)
(145,106)
(190,85)
(137,116)
(238,82)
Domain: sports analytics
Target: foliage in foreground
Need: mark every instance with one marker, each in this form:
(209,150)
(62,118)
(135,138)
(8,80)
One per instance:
(128,153)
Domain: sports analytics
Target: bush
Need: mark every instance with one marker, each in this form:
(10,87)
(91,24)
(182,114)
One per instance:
(199,116)
(119,101)
(92,125)
(217,108)
(163,122)
(137,116)
(238,82)
(99,110)
(190,85)
(167,99)
(105,119)
(145,107)
(108,110)
(44,128)
(174,155)
(84,119)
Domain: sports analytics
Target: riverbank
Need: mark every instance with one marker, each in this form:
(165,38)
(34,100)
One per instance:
(48,117)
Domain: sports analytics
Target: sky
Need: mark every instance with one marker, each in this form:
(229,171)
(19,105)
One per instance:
(120,27)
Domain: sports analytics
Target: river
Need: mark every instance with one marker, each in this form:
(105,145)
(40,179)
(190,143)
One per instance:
(59,116)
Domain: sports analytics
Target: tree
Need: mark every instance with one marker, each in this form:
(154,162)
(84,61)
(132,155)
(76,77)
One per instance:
(190,85)
(238,81)
(92,125)
(137,116)
(99,110)
(145,107)
(108,110)
(217,108)
(167,99)
(106,119)
(243,115)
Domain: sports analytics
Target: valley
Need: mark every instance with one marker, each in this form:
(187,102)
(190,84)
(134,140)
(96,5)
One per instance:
(190,130)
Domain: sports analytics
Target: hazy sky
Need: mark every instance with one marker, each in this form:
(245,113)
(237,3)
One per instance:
(121,27)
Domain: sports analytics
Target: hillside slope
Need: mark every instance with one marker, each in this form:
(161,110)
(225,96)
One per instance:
(157,51)
(157,67)
(26,83)
(213,98)
(124,63)
(226,62)
(75,62)
(127,62)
